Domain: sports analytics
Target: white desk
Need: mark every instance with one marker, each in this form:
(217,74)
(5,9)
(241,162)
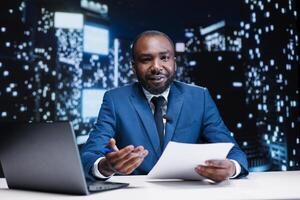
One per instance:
(260,185)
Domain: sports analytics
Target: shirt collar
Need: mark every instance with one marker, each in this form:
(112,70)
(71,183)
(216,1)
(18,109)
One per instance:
(149,96)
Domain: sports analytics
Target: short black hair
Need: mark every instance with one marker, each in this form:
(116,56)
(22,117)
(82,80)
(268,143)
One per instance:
(150,33)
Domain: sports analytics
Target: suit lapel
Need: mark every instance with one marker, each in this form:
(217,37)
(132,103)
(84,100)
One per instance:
(143,109)
(175,101)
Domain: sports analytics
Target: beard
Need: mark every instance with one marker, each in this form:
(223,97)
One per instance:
(156,88)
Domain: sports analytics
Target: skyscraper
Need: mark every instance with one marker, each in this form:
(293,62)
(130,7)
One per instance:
(270,42)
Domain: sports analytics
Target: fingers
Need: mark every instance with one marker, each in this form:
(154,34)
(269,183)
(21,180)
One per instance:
(119,155)
(125,160)
(130,158)
(128,165)
(216,170)
(215,174)
(218,163)
(140,151)
(139,148)
(137,163)
(130,168)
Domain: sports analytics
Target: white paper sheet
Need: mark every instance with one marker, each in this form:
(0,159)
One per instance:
(179,160)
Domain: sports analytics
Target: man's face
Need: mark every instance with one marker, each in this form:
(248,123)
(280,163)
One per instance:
(154,63)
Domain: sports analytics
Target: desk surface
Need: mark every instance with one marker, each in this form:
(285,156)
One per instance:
(259,185)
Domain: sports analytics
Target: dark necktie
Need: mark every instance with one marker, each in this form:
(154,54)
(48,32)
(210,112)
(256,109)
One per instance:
(158,117)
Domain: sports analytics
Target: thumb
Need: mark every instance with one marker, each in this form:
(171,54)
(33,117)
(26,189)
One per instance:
(112,144)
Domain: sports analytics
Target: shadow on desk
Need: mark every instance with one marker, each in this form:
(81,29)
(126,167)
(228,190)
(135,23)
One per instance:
(183,184)
(21,192)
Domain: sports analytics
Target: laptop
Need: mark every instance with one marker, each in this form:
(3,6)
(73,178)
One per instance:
(1,171)
(45,157)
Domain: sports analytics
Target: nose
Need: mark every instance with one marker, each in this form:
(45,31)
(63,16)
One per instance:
(156,68)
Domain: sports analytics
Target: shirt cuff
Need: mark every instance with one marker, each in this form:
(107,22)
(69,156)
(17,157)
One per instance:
(96,172)
(237,168)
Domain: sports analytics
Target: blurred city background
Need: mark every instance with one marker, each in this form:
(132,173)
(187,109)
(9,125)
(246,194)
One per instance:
(57,58)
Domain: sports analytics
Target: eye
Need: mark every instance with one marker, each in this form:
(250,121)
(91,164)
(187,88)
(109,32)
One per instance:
(165,58)
(145,59)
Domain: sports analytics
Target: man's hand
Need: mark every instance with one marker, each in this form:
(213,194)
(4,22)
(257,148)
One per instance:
(216,170)
(123,161)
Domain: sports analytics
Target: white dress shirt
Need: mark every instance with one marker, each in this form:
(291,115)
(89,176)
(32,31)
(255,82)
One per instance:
(149,96)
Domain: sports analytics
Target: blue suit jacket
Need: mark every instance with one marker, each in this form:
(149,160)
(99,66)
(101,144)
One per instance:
(126,115)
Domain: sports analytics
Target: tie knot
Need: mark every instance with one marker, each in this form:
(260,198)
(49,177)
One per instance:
(158,101)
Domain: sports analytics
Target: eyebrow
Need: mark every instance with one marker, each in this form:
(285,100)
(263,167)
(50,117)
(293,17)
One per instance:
(144,55)
(164,53)
(160,53)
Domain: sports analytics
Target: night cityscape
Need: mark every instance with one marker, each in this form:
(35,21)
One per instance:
(58,58)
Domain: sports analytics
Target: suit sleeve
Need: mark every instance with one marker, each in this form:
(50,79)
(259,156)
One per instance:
(214,130)
(102,131)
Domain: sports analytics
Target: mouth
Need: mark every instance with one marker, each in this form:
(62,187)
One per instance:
(157,79)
